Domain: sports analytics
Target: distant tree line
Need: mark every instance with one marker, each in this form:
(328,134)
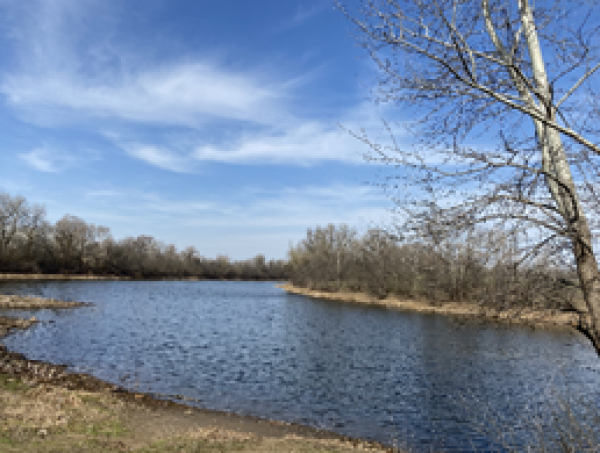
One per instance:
(31,244)
(480,269)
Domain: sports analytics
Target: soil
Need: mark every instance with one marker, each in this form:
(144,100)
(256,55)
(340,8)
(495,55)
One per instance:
(32,303)
(45,408)
(28,277)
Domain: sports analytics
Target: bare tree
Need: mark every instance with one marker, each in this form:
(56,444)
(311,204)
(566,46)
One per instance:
(521,71)
(14,213)
(34,231)
(77,242)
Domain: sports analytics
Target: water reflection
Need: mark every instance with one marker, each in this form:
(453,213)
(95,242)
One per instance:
(248,347)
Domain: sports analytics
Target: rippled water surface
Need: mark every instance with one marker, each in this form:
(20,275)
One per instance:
(419,380)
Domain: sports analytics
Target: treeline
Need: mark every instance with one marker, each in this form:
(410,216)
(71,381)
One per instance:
(479,270)
(31,244)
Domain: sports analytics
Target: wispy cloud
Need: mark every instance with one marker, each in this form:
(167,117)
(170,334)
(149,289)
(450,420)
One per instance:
(301,15)
(303,143)
(16,186)
(159,157)
(48,160)
(62,82)
(186,94)
(288,207)
(70,70)
(253,220)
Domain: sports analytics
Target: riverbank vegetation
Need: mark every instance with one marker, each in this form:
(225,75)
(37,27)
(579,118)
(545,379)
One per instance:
(479,269)
(30,244)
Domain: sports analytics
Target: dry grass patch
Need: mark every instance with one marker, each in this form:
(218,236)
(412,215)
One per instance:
(50,418)
(33,303)
(252,444)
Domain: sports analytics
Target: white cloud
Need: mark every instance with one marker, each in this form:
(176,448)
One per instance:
(299,143)
(48,160)
(159,157)
(70,67)
(185,94)
(301,15)
(61,81)
(302,144)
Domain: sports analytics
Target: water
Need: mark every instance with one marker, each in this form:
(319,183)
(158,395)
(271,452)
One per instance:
(422,381)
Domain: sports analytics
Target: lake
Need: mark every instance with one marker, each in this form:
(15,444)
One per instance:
(417,380)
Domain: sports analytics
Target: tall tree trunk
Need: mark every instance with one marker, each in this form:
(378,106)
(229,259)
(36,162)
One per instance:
(587,269)
(561,185)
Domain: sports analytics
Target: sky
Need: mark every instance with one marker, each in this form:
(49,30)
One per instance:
(218,125)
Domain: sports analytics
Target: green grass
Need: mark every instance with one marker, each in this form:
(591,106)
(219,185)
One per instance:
(96,402)
(109,428)
(12,383)
(193,446)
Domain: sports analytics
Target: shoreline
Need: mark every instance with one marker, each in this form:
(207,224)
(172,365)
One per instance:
(530,317)
(90,277)
(192,426)
(43,277)
(36,303)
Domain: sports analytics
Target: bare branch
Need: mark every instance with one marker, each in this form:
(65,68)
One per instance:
(577,85)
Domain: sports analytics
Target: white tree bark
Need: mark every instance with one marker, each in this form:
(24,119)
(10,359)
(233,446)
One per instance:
(560,180)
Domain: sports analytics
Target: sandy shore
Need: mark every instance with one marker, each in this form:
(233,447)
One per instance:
(44,407)
(69,277)
(33,303)
(24,277)
(461,310)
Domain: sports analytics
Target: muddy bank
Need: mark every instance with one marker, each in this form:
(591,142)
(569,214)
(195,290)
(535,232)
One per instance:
(7,324)
(25,277)
(43,405)
(91,277)
(459,310)
(34,303)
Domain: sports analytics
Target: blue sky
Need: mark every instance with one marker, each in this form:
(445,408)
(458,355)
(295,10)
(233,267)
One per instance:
(204,123)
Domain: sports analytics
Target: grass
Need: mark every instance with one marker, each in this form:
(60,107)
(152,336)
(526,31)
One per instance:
(109,428)
(46,418)
(11,384)
(186,445)
(262,445)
